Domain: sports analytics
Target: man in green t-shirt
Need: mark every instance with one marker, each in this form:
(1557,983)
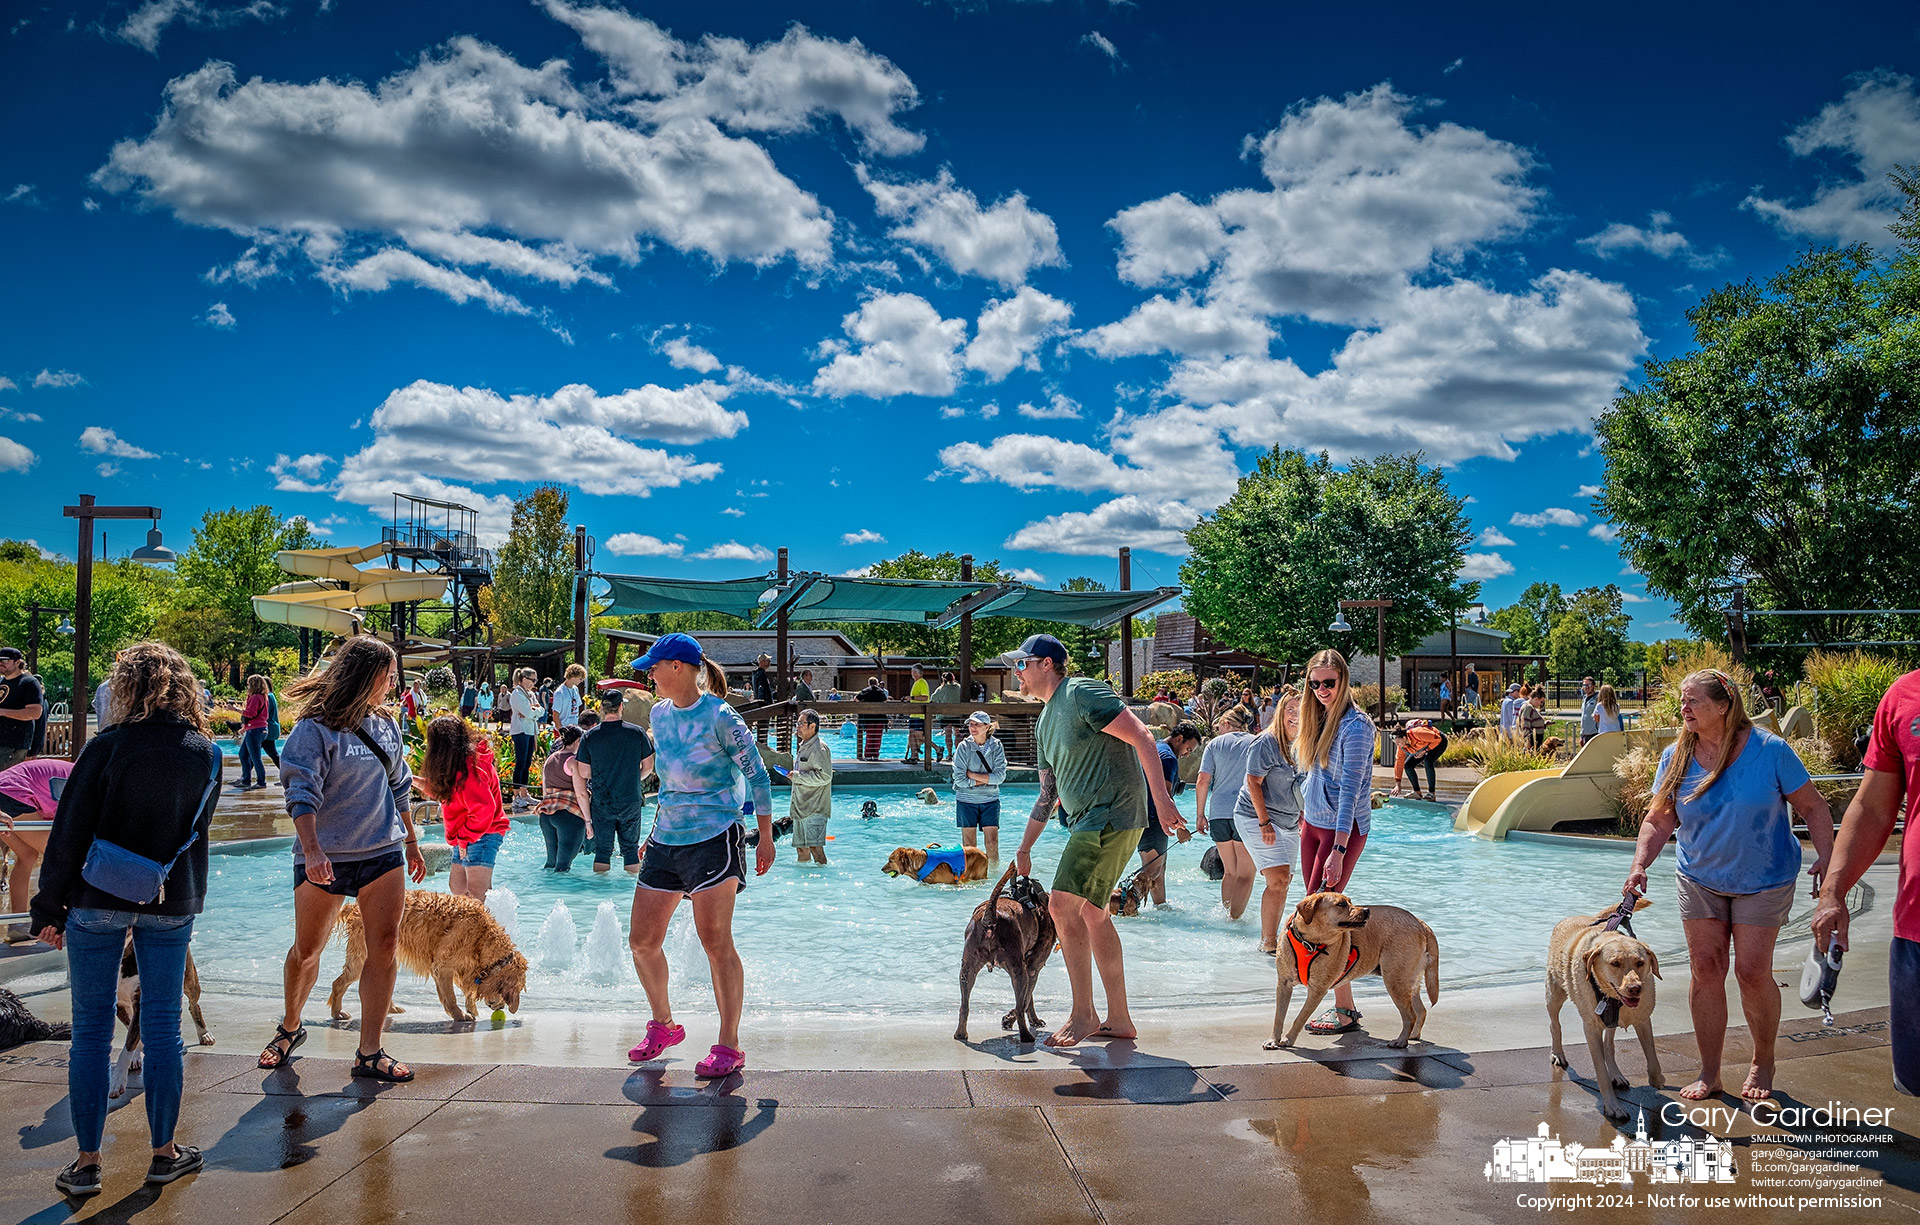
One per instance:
(1098,761)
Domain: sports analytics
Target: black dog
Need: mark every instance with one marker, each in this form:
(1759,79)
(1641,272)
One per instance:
(18,1024)
(869,810)
(782,826)
(1211,865)
(1014,933)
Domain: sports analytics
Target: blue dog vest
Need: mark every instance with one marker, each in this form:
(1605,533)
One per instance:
(956,858)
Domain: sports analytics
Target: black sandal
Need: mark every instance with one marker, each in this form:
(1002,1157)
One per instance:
(293,1038)
(369,1067)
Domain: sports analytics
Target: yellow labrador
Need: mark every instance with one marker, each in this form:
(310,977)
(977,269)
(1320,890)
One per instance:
(1330,940)
(1609,977)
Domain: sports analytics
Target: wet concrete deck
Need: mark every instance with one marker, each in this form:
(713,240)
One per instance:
(1399,1138)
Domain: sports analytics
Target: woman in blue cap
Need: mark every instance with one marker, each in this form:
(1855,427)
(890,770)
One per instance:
(697,848)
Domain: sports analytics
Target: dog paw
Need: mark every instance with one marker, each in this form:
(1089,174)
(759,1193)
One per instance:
(340,1014)
(1276,1044)
(1621,1082)
(395,1008)
(206,1039)
(1398,1044)
(1614,1111)
(959,1035)
(115,1091)
(1557,1060)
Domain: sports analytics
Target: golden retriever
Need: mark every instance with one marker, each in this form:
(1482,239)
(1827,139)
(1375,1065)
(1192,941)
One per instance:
(1586,963)
(450,940)
(909,861)
(929,796)
(1329,940)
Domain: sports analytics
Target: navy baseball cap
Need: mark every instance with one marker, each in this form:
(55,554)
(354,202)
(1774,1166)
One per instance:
(682,647)
(1041,646)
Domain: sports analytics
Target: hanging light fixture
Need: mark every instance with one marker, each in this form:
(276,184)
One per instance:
(65,628)
(153,552)
(1340,625)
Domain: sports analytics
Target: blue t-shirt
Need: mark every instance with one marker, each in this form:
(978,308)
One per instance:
(1169,766)
(702,754)
(1738,837)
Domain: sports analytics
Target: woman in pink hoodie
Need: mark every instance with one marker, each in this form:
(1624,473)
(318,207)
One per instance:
(253,731)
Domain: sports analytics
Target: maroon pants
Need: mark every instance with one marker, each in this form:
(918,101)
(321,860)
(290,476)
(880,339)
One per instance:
(1315,845)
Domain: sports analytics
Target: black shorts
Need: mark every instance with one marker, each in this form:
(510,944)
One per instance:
(1153,838)
(1222,829)
(352,875)
(696,867)
(15,808)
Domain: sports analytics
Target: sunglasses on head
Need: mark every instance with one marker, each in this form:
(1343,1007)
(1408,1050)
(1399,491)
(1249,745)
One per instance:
(1333,683)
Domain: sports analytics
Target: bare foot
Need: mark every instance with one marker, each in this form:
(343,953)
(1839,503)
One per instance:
(1108,1031)
(1074,1031)
(1759,1084)
(1700,1090)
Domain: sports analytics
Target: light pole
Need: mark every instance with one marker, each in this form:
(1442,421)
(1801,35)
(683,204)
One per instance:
(153,553)
(64,629)
(1340,626)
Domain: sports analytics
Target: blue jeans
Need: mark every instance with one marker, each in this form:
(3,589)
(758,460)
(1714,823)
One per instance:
(95,941)
(250,761)
(1903,973)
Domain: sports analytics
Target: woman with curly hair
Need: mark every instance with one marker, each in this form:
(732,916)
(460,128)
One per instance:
(348,789)
(458,770)
(147,785)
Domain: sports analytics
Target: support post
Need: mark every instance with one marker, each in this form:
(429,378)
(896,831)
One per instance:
(966,635)
(1737,627)
(580,623)
(1453,659)
(782,685)
(1126,625)
(82,624)
(1380,623)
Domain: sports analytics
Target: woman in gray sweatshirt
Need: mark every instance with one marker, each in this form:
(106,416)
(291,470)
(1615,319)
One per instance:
(347,789)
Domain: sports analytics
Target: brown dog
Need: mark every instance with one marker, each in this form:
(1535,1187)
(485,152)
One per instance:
(1552,745)
(907,861)
(1014,934)
(1330,940)
(127,1004)
(1597,969)
(450,940)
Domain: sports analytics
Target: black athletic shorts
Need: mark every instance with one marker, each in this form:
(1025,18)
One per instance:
(15,808)
(1153,838)
(353,875)
(698,866)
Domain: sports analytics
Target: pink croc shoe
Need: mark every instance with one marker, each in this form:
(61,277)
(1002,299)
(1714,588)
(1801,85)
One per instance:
(721,1061)
(659,1038)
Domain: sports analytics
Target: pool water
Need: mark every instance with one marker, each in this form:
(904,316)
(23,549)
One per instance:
(842,742)
(847,942)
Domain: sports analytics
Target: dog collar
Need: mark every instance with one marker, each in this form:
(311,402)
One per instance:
(1608,1007)
(482,975)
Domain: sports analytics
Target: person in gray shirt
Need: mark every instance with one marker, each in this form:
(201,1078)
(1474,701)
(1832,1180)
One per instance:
(1589,710)
(979,767)
(1223,772)
(1268,813)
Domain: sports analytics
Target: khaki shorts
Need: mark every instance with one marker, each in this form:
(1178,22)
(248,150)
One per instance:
(810,830)
(1091,863)
(1768,908)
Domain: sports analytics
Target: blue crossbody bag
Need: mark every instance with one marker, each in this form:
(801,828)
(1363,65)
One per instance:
(113,869)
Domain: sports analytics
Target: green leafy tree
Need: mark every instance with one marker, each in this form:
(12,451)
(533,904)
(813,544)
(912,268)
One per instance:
(127,598)
(1783,451)
(532,591)
(232,559)
(1528,622)
(1267,570)
(1590,637)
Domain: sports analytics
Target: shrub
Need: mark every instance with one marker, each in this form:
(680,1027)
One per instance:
(1367,697)
(1664,710)
(1459,752)
(1180,684)
(1501,756)
(440,682)
(1847,689)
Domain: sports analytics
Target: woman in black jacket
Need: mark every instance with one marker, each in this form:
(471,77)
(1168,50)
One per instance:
(146,785)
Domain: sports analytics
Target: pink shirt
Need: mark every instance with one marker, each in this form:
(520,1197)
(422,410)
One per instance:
(1894,749)
(31,782)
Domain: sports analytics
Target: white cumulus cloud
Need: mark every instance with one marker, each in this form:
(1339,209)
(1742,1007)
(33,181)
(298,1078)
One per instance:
(733,550)
(1656,238)
(1552,516)
(1011,331)
(1484,566)
(634,544)
(219,316)
(57,378)
(301,473)
(102,441)
(1877,125)
(685,355)
(145,24)
(14,457)
(865,535)
(904,348)
(1494,538)
(1143,523)
(1057,408)
(1604,531)
(1002,242)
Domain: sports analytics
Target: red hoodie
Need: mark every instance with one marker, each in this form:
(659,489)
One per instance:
(254,714)
(475,810)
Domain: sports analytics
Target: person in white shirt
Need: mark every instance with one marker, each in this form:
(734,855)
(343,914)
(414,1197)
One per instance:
(525,729)
(567,698)
(1509,708)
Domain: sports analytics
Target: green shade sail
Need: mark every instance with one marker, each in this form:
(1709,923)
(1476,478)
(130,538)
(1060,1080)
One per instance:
(532,648)
(1091,609)
(631,595)
(872,599)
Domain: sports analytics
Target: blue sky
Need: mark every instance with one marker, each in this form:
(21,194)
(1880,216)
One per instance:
(1031,280)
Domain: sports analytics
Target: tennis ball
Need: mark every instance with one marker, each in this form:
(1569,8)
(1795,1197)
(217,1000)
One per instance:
(499,1014)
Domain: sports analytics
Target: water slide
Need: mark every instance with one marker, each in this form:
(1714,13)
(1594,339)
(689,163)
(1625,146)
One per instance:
(1582,790)
(336,593)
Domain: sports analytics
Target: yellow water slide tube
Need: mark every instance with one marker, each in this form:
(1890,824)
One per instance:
(1582,790)
(334,597)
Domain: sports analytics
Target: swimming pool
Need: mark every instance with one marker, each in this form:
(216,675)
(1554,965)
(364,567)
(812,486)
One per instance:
(893,743)
(846,942)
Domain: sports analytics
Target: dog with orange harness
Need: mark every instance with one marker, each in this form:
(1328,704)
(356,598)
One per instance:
(1329,941)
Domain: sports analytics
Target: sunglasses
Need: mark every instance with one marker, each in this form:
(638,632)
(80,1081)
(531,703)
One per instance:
(1328,684)
(1019,665)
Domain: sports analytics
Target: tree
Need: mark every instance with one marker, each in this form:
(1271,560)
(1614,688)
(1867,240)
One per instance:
(1528,622)
(1590,637)
(127,597)
(533,572)
(234,557)
(1268,569)
(1783,452)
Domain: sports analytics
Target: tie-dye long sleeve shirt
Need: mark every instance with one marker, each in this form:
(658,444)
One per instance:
(703,754)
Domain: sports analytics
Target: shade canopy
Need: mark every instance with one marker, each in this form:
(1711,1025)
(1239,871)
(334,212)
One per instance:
(531,648)
(1091,609)
(902,601)
(630,594)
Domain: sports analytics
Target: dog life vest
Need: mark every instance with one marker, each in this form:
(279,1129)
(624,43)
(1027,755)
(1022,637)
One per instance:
(1304,954)
(956,858)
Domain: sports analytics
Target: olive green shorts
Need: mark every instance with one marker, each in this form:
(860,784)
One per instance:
(1091,863)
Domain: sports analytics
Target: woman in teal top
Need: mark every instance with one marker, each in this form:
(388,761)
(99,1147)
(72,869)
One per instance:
(697,850)
(1731,790)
